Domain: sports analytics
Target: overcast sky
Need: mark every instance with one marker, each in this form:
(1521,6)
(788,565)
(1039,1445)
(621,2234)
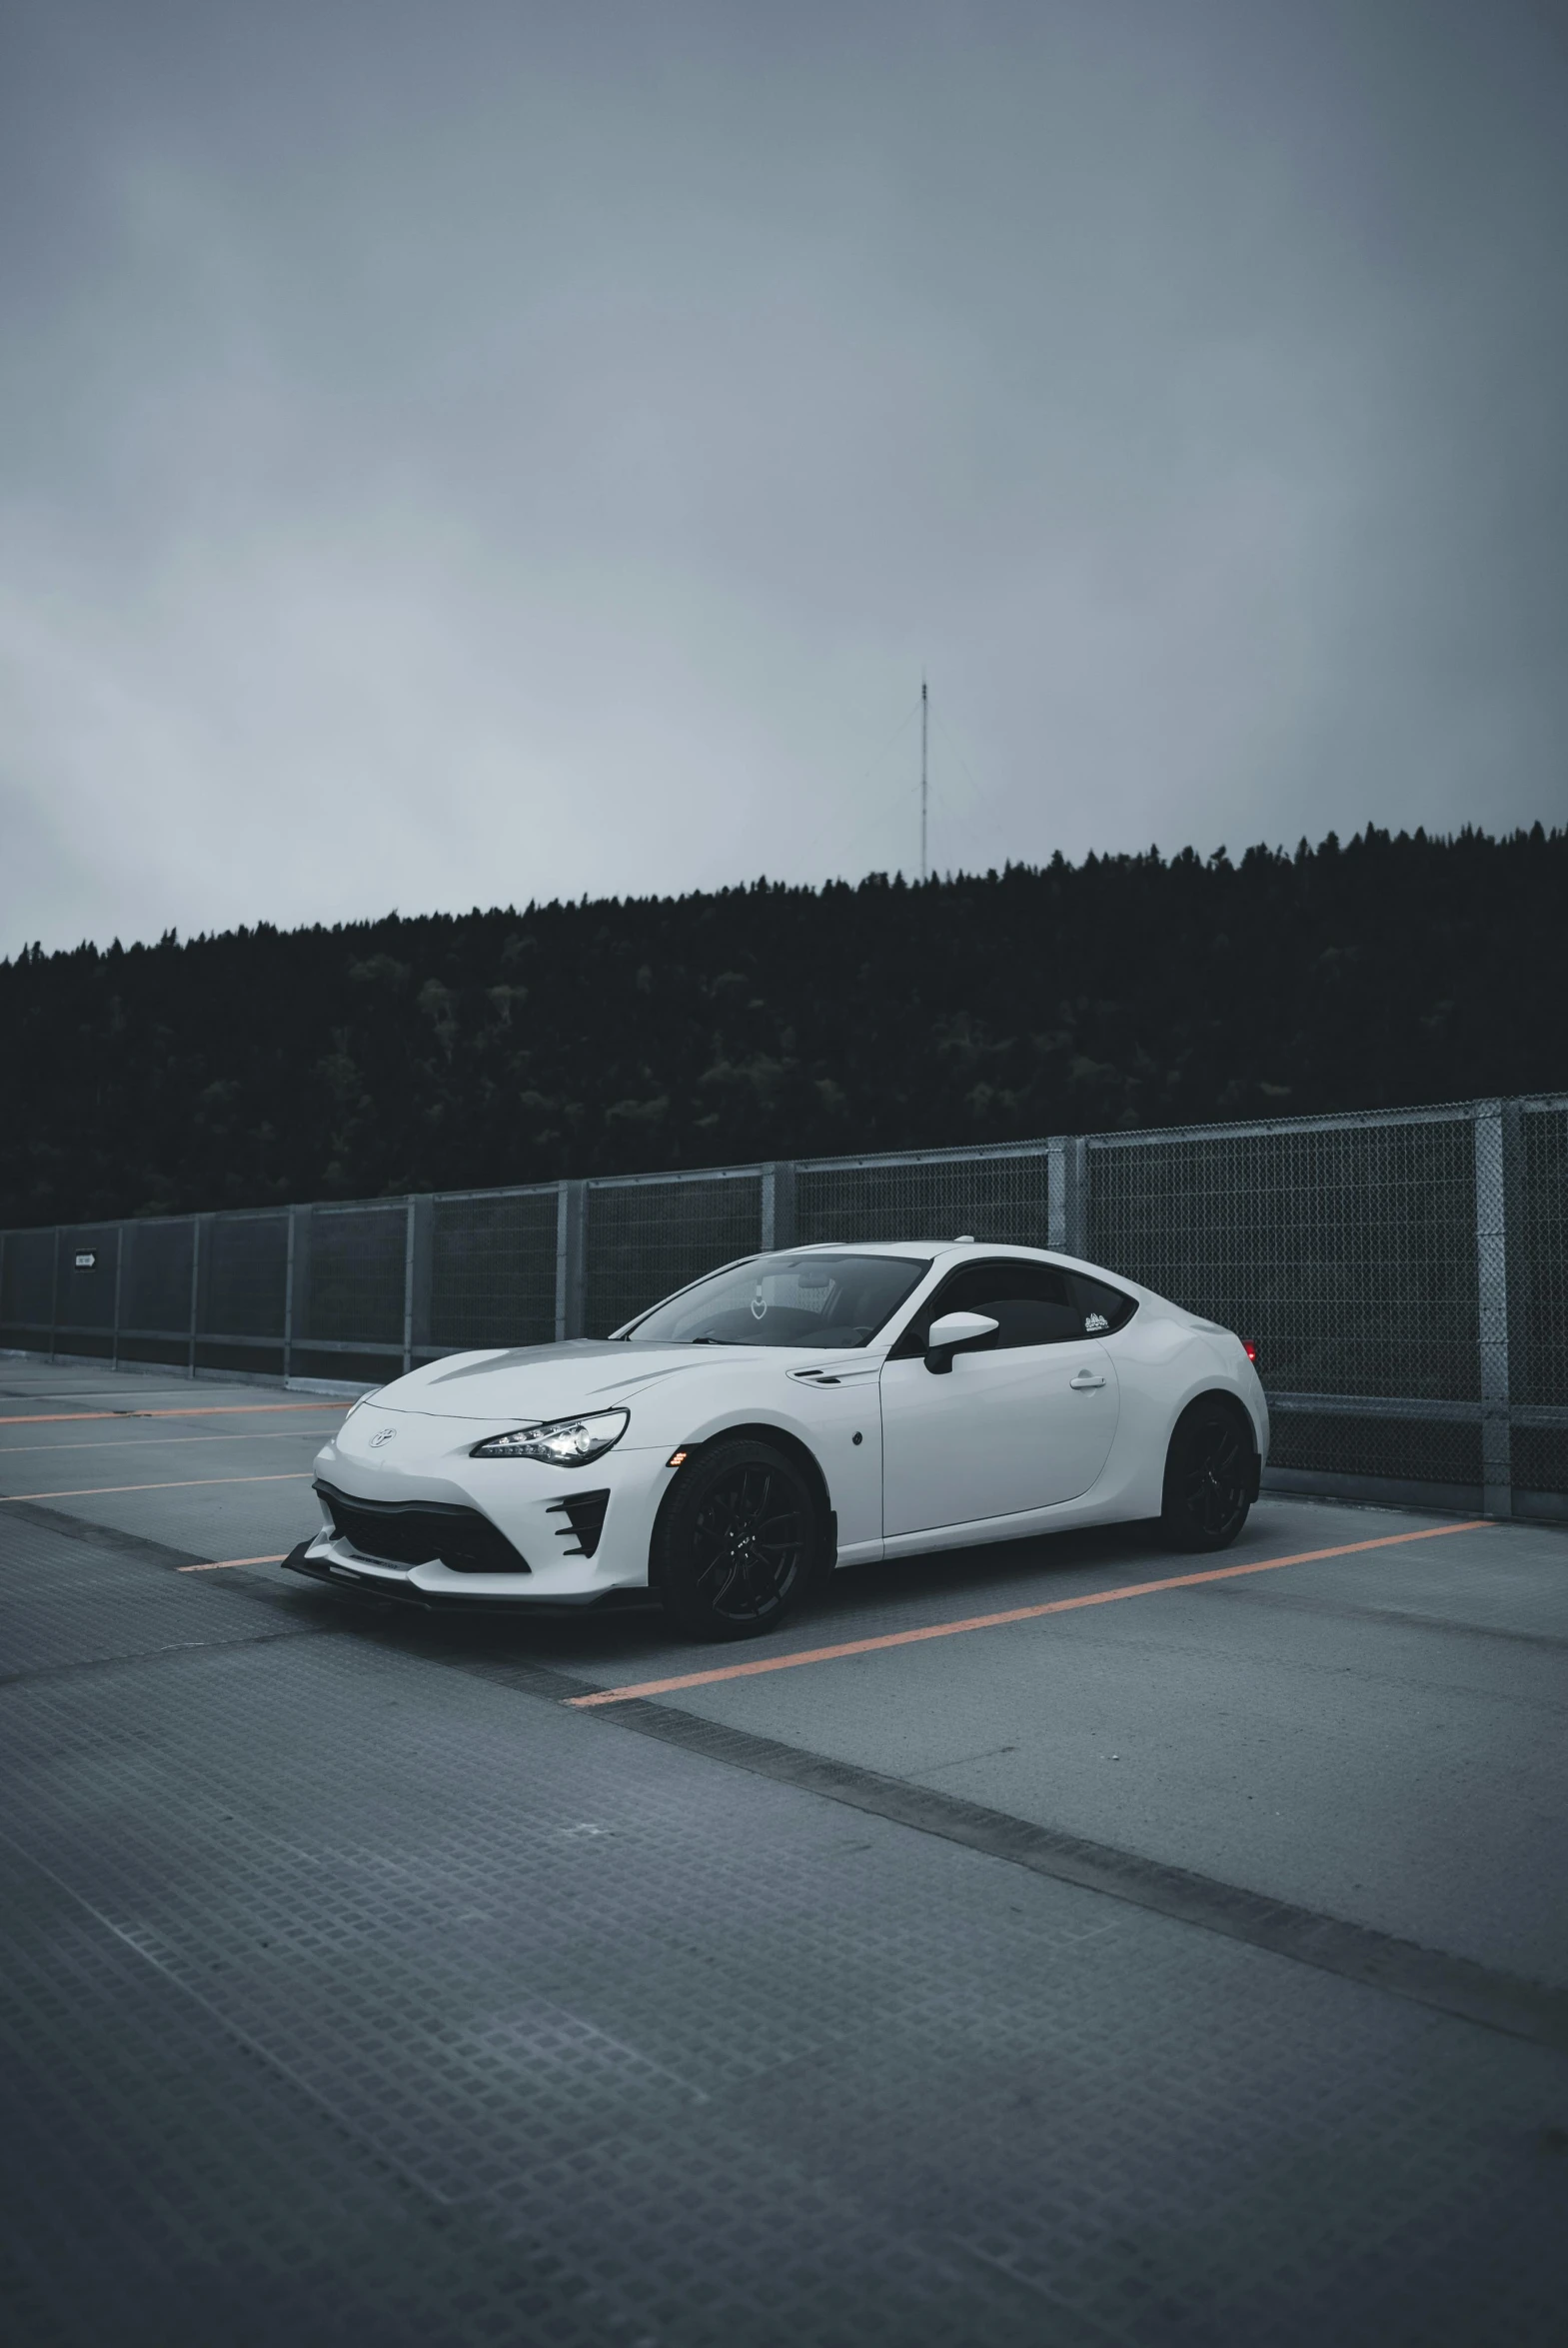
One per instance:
(464,452)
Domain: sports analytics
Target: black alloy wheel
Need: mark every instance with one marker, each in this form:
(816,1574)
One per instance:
(1209,1476)
(736,1544)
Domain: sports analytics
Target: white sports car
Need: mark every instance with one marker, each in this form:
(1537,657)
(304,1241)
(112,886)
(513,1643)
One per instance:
(786,1414)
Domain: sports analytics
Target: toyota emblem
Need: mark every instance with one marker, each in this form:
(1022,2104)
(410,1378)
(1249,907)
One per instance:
(383,1434)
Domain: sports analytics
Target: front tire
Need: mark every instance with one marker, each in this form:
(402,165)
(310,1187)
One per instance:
(736,1545)
(1210,1476)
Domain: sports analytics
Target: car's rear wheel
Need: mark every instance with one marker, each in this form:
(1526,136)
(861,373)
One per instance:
(736,1544)
(1210,1474)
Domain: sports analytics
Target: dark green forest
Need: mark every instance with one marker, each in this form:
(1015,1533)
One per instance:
(448,1050)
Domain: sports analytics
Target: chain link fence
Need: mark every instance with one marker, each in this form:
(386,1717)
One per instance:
(1404,1274)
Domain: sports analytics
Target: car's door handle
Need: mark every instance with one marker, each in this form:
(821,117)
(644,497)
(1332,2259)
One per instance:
(1085,1381)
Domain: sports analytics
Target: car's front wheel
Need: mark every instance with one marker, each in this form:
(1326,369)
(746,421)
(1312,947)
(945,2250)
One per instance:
(735,1547)
(1210,1476)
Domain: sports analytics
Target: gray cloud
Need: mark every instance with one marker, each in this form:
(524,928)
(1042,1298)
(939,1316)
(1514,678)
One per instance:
(462,454)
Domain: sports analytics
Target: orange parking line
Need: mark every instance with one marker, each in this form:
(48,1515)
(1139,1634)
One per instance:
(192,1410)
(1099,1597)
(262,1435)
(222,1564)
(184,1483)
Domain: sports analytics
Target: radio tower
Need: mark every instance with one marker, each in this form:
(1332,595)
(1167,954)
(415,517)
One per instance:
(924,787)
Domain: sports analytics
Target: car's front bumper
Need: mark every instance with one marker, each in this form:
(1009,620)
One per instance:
(524,1534)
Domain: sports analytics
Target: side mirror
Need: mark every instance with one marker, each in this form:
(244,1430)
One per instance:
(951,1332)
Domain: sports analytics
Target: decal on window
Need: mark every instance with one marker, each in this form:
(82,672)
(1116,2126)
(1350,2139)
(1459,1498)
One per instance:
(1094,1321)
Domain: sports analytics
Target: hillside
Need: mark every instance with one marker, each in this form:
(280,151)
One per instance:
(453,1050)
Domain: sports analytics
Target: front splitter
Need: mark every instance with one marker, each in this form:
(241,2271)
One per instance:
(399,1592)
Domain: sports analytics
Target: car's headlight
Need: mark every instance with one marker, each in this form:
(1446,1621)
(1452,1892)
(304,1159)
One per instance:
(563,1443)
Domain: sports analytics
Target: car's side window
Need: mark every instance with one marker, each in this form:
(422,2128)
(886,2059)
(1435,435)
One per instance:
(1031,1303)
(1032,1310)
(1101,1308)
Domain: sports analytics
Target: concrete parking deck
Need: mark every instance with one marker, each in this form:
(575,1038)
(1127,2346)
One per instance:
(1190,1966)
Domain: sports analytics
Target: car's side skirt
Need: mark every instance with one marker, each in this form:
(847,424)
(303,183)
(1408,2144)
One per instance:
(1088,1508)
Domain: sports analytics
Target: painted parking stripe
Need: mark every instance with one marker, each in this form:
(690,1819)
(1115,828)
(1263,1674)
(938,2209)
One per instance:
(185,1483)
(1099,1597)
(222,1564)
(249,1434)
(193,1411)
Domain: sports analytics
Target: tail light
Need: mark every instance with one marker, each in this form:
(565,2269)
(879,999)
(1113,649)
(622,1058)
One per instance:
(1249,1347)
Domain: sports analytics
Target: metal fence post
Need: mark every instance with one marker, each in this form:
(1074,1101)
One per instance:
(418,1283)
(784,1204)
(577,1260)
(408,1287)
(777,1222)
(571,1257)
(1491,1265)
(1068,1194)
(120,1230)
(560,1261)
(288,1298)
(54,1294)
(1056,1194)
(296,1286)
(197,1221)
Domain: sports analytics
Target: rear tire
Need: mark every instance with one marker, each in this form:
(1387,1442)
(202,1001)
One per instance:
(1210,1476)
(737,1545)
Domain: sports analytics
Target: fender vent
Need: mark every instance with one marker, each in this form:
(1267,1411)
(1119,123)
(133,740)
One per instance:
(584,1521)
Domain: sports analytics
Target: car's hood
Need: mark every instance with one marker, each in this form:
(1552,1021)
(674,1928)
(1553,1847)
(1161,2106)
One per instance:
(552,1382)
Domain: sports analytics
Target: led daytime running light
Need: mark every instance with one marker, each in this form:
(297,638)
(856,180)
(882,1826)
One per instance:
(559,1442)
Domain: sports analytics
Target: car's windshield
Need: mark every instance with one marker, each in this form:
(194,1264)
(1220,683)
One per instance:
(794,1299)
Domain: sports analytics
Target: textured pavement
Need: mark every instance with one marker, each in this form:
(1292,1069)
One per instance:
(355,1987)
